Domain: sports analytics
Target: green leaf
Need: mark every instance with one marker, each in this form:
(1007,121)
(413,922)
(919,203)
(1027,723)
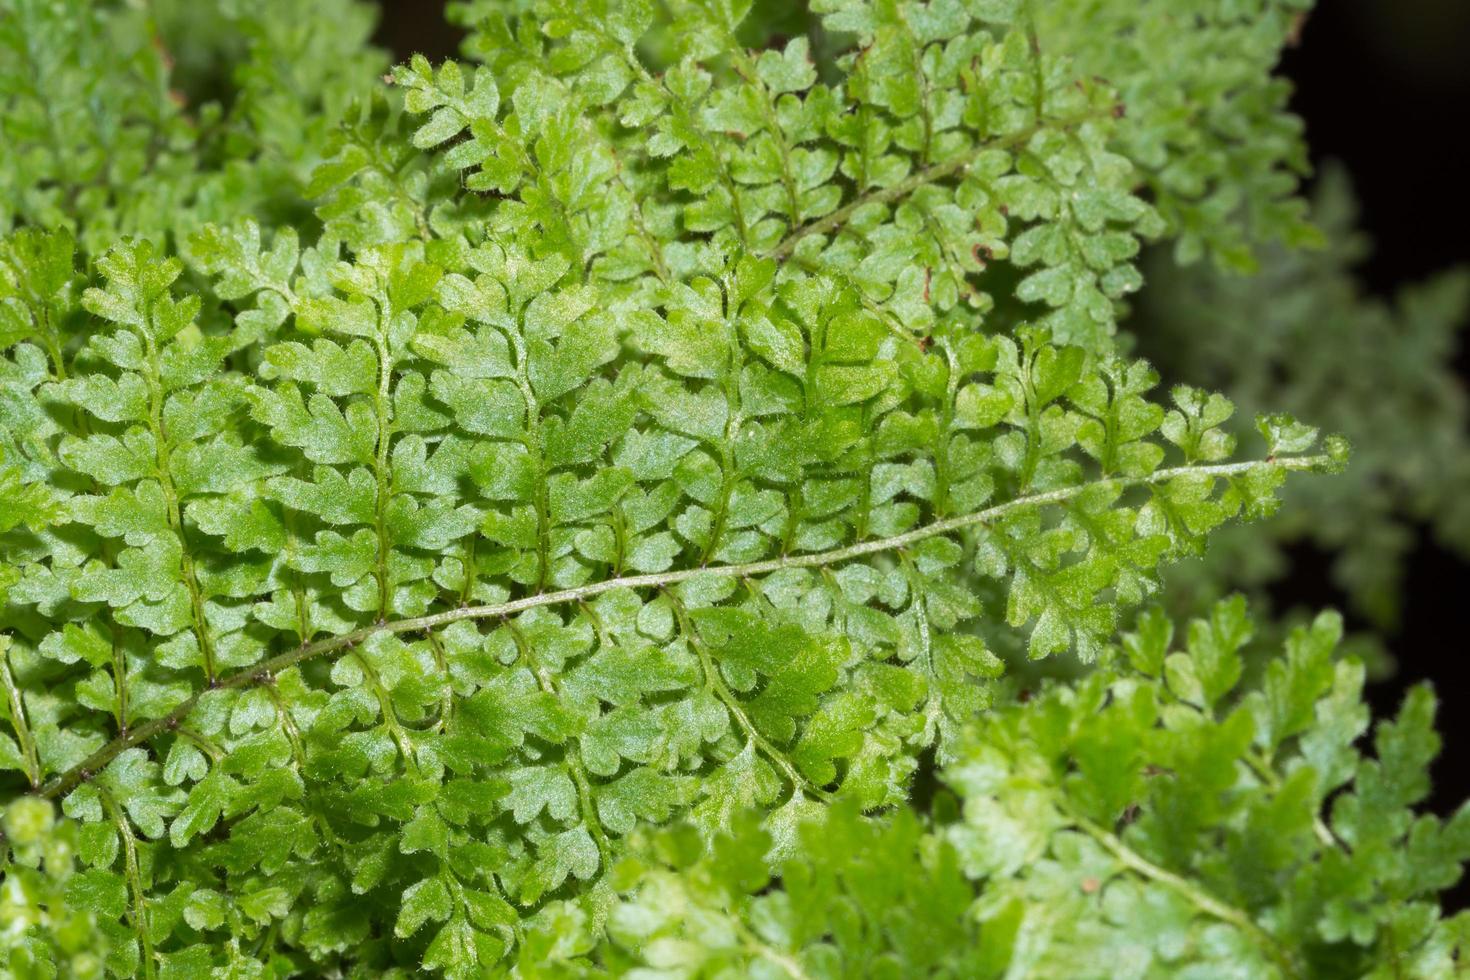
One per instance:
(100,892)
(426,901)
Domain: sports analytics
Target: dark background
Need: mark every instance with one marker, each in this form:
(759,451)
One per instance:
(1384,87)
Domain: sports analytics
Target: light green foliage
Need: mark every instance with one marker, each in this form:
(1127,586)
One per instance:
(48,903)
(943,149)
(1159,817)
(616,474)
(1206,122)
(505,575)
(1154,820)
(1380,374)
(947,151)
(94,136)
(860,899)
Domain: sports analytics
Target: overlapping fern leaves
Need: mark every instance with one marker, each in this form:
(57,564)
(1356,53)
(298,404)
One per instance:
(112,124)
(471,535)
(620,445)
(1153,820)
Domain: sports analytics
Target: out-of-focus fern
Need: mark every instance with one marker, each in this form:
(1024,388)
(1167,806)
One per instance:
(95,138)
(1207,126)
(1303,336)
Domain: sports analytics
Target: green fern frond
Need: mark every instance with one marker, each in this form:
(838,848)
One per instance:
(491,522)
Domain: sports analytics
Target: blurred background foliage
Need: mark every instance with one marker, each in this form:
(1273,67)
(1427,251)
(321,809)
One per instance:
(1385,378)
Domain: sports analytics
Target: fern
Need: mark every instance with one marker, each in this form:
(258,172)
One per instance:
(615,475)
(93,137)
(1222,855)
(1415,427)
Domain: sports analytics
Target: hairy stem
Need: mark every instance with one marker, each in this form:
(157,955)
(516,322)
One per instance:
(573,757)
(263,671)
(120,682)
(139,911)
(18,717)
(164,461)
(390,714)
(716,685)
(383,411)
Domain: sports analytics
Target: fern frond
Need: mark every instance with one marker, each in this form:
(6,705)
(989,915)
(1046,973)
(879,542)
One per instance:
(491,522)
